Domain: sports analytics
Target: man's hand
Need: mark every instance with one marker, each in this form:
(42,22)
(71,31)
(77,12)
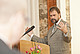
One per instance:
(30,33)
(63,27)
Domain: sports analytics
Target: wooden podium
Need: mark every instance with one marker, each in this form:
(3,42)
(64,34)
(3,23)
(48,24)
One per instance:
(26,45)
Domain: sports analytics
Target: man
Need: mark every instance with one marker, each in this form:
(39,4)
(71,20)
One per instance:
(12,22)
(58,37)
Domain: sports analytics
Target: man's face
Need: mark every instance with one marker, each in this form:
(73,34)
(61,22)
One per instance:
(54,16)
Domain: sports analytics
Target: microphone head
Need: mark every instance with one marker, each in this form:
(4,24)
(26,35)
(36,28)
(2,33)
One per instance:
(33,27)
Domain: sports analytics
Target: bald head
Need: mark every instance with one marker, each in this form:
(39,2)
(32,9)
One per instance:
(10,7)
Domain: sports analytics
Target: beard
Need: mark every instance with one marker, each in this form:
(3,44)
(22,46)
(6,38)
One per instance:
(55,21)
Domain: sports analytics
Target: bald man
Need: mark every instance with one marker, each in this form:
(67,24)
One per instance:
(12,23)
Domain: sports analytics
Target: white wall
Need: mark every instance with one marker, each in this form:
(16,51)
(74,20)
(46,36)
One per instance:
(75,25)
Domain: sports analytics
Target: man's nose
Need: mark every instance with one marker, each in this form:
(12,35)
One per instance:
(52,17)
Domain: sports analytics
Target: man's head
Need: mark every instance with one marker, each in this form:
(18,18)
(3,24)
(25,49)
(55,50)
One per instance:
(54,14)
(17,25)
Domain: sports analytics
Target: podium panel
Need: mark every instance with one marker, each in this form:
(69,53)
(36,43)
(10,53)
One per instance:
(26,45)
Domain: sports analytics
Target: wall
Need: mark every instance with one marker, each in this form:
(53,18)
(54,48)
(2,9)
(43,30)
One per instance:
(43,19)
(68,15)
(75,26)
(68,11)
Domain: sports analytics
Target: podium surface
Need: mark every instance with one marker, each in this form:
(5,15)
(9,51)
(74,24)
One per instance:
(26,45)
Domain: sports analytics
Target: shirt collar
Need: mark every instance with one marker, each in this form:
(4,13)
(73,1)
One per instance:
(58,21)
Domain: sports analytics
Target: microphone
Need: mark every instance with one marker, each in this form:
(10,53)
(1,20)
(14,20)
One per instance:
(31,28)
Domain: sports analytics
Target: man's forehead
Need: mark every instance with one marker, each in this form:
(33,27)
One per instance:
(53,12)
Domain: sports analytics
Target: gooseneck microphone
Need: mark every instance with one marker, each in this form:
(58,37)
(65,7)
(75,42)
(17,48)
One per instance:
(31,28)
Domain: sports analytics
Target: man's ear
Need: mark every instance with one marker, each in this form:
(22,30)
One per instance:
(59,15)
(17,24)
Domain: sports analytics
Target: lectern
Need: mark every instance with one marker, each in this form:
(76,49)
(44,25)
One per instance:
(26,45)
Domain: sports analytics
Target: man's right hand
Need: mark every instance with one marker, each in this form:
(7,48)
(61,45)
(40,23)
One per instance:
(30,33)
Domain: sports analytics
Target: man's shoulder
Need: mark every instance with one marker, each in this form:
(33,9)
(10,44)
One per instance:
(63,21)
(4,49)
(51,28)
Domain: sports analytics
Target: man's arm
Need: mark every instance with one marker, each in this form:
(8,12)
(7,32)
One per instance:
(67,37)
(40,40)
(65,28)
(37,39)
